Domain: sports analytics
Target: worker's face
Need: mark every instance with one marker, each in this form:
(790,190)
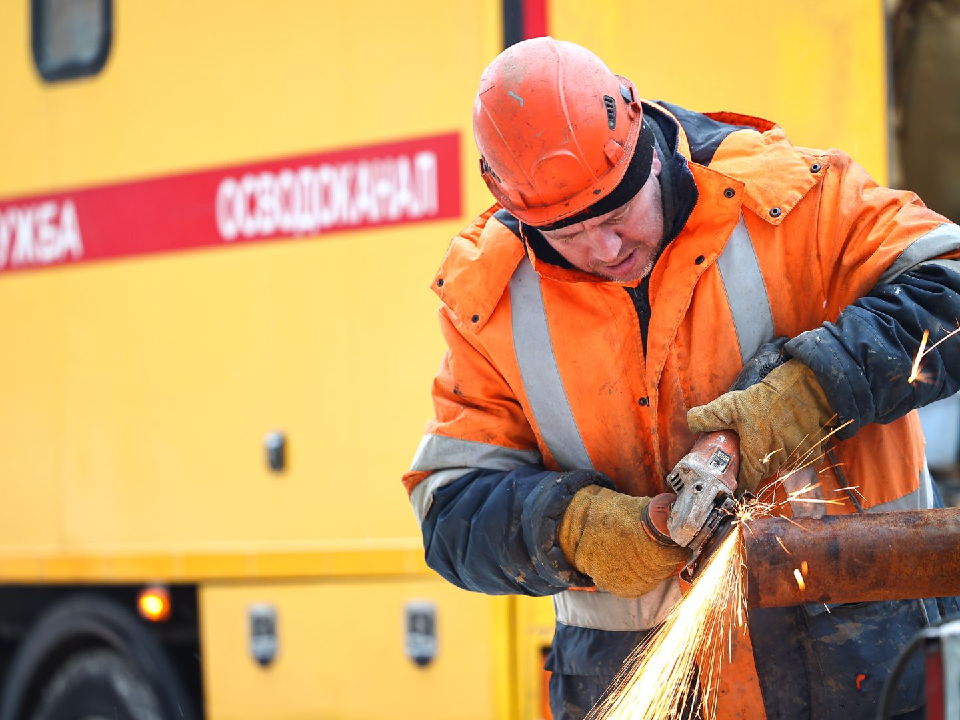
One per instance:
(622,244)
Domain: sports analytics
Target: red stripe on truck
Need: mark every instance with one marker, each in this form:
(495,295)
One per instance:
(296,197)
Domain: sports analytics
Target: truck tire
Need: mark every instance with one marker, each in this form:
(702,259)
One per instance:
(88,647)
(96,685)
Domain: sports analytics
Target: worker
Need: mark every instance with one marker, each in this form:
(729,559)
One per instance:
(639,254)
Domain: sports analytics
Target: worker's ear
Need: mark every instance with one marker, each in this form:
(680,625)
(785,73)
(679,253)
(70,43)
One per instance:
(655,165)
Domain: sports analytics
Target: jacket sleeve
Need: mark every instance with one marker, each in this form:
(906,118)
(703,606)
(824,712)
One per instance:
(488,509)
(864,360)
(888,260)
(496,532)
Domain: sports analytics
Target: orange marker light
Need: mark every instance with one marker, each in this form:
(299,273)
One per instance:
(154,604)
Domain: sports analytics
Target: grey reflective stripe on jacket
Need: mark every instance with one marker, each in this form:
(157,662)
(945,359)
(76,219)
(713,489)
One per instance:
(448,459)
(753,321)
(939,241)
(603,611)
(540,373)
(745,291)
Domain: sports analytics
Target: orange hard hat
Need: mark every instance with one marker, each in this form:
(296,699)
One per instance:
(561,138)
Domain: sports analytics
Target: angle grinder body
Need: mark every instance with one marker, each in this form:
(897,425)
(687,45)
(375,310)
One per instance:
(701,512)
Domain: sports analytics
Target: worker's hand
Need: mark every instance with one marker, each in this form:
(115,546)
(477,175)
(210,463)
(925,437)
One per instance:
(601,535)
(781,420)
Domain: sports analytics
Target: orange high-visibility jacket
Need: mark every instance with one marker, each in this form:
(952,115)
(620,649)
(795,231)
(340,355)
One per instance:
(546,371)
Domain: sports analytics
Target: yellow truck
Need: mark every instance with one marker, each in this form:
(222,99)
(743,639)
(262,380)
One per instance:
(218,223)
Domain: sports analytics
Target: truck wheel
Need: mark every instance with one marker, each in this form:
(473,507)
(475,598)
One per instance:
(89,658)
(96,685)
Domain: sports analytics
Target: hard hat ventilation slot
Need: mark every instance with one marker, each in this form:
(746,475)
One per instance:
(486,169)
(611,105)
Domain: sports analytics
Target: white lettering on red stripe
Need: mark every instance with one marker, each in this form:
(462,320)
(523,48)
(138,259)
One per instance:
(39,234)
(309,199)
(349,189)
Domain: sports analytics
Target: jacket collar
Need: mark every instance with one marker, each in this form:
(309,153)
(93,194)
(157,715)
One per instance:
(775,174)
(476,269)
(763,166)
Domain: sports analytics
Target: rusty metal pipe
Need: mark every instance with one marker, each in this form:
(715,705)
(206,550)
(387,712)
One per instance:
(853,558)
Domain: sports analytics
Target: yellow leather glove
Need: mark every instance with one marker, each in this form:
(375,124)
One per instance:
(780,420)
(601,536)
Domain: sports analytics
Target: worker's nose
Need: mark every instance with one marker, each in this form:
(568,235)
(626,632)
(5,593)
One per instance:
(605,243)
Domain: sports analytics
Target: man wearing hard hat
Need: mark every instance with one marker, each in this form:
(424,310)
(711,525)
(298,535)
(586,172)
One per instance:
(638,256)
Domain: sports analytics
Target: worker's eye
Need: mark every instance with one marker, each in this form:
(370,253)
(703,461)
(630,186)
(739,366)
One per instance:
(623,211)
(616,219)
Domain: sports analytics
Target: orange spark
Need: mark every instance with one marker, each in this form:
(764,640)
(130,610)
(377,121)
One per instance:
(945,337)
(830,467)
(804,568)
(678,667)
(680,663)
(916,361)
(798,496)
(805,460)
(814,501)
(766,458)
(799,577)
(915,372)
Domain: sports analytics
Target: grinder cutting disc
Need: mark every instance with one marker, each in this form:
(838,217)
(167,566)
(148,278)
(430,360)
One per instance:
(714,532)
